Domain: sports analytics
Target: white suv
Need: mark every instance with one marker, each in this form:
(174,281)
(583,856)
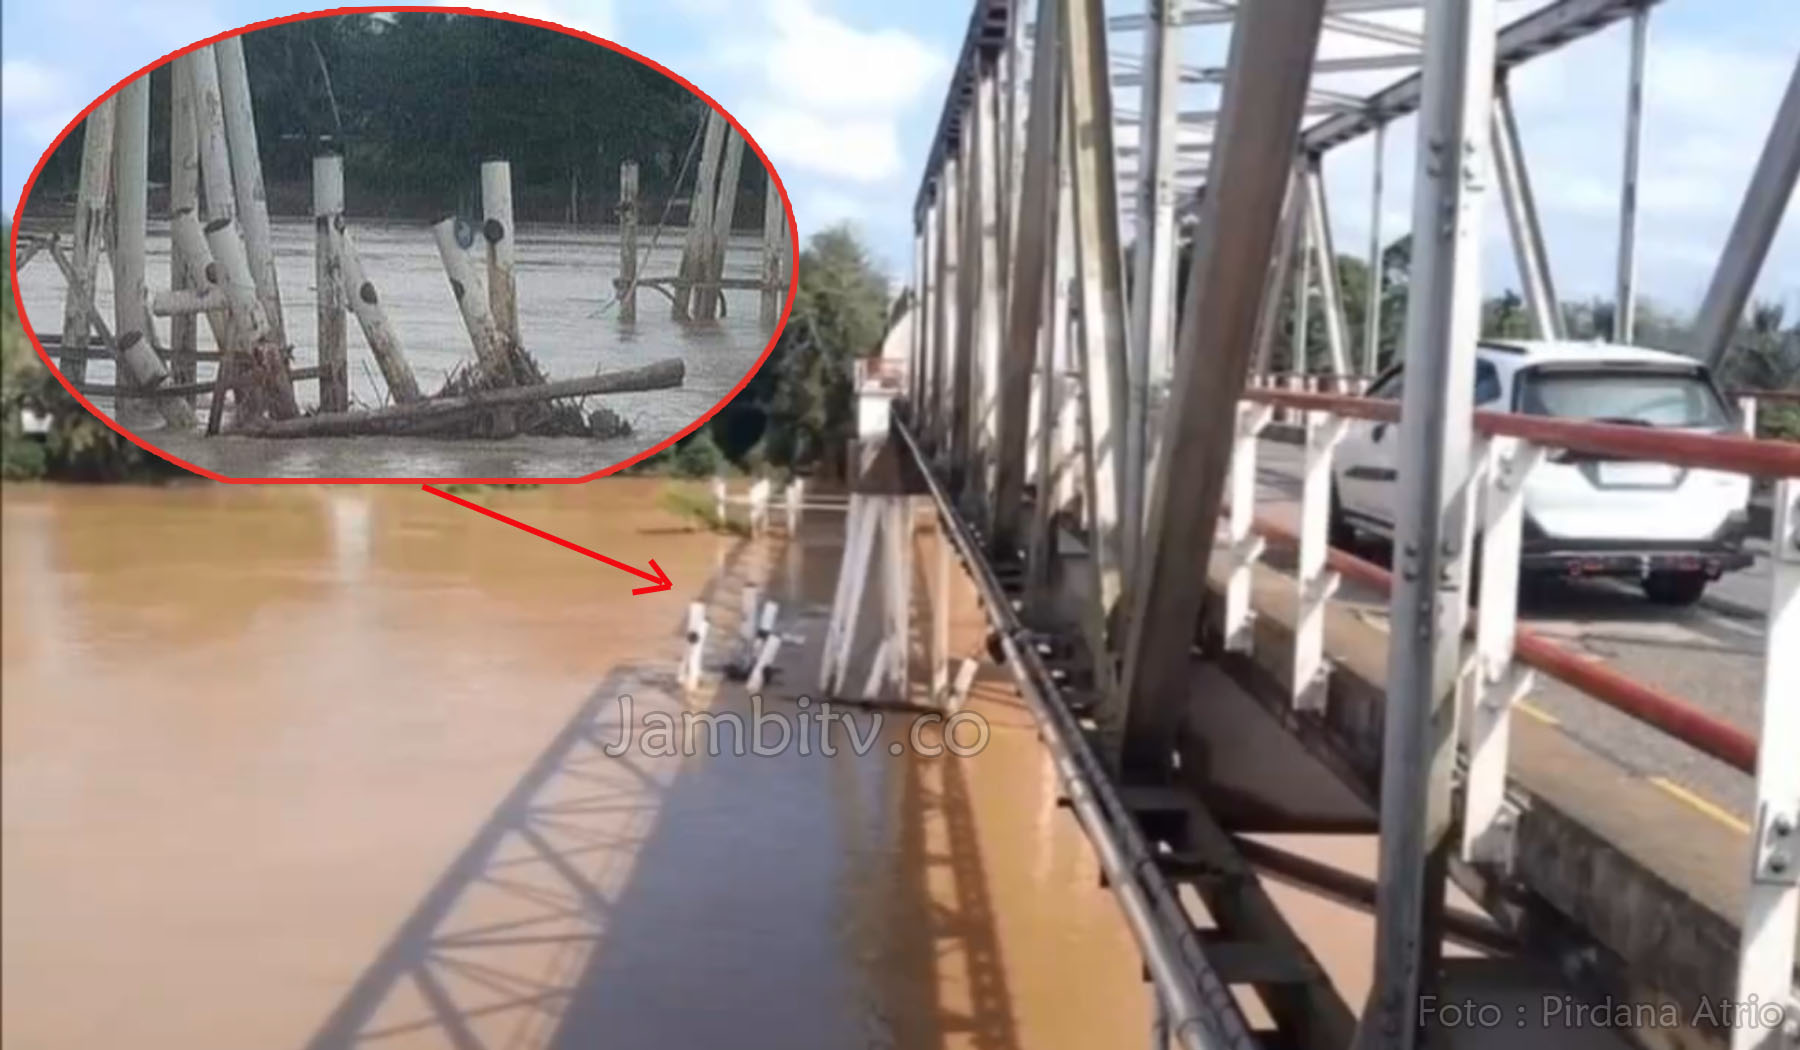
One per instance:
(1671,528)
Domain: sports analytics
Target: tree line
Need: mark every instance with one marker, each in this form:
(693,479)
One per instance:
(416,100)
(1764,355)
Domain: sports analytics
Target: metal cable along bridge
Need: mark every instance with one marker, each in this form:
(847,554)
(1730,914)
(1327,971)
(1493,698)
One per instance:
(1089,432)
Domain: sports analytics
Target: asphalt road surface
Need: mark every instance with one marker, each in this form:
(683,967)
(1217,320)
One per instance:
(1709,654)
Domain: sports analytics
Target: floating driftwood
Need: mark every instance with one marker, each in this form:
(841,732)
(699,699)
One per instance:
(661,375)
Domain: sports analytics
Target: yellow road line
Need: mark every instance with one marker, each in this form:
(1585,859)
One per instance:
(1704,805)
(1533,711)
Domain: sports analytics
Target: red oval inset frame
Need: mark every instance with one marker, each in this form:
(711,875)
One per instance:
(227,290)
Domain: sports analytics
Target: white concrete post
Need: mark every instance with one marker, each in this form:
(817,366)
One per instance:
(90,222)
(628,251)
(136,360)
(774,266)
(328,278)
(794,494)
(959,689)
(497,230)
(759,506)
(1246,547)
(720,511)
(765,658)
(1314,581)
(184,192)
(209,116)
(877,672)
(1500,681)
(699,218)
(696,645)
(712,301)
(247,180)
(749,607)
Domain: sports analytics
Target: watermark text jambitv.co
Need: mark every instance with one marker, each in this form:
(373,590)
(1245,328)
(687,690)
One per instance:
(805,728)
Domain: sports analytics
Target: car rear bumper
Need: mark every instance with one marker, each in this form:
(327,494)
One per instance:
(1721,552)
(1634,563)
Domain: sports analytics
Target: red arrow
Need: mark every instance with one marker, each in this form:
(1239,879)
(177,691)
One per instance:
(659,580)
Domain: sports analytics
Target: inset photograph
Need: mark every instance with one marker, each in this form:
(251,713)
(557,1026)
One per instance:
(404,246)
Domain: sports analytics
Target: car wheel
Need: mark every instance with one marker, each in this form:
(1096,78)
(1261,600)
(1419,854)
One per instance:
(1340,532)
(1675,588)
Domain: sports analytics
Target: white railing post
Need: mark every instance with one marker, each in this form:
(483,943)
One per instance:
(765,644)
(752,605)
(1499,680)
(719,509)
(759,506)
(696,645)
(1772,907)
(1747,414)
(1246,547)
(794,493)
(1315,582)
(959,688)
(765,658)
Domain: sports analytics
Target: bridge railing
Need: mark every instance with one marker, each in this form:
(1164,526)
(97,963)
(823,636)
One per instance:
(1506,656)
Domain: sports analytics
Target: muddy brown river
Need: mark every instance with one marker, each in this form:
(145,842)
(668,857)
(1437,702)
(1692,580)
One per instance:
(346,767)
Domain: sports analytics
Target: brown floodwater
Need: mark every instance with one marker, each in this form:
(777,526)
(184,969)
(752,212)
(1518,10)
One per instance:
(335,767)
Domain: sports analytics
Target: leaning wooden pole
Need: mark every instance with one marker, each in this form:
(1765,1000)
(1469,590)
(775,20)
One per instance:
(184,193)
(130,189)
(699,218)
(247,179)
(497,230)
(365,303)
(471,296)
(90,222)
(189,242)
(774,266)
(712,295)
(132,356)
(257,346)
(209,118)
(328,277)
(628,249)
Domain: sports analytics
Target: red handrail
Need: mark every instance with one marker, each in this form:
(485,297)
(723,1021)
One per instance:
(1740,455)
(1671,714)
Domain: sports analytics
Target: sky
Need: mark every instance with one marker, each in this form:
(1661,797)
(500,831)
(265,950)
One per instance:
(844,95)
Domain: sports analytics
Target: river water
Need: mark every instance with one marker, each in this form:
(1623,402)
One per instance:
(328,767)
(568,321)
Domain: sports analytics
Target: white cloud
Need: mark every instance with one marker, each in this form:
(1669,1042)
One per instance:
(819,62)
(856,149)
(37,96)
(589,16)
(825,96)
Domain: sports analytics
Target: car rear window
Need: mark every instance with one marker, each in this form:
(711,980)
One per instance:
(1651,398)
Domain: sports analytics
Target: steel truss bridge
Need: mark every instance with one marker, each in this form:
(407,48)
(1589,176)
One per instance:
(1087,419)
